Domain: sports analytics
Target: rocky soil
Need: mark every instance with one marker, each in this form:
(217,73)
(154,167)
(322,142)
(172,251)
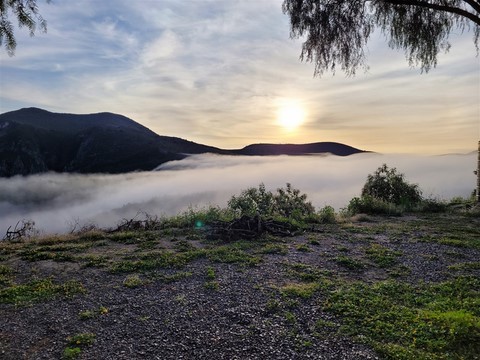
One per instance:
(211,308)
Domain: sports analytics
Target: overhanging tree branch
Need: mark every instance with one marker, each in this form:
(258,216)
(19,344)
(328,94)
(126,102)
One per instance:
(439,7)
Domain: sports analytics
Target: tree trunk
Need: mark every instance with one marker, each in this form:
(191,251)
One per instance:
(478,175)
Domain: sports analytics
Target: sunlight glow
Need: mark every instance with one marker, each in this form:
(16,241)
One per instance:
(290,116)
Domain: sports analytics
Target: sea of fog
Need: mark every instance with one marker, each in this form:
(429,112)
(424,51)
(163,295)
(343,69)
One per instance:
(57,201)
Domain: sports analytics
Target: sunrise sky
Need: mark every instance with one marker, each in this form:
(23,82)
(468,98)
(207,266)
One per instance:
(226,73)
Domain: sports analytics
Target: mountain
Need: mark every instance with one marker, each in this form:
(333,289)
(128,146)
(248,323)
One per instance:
(33,141)
(298,149)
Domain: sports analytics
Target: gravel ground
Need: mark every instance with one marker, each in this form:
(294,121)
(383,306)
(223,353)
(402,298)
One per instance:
(185,319)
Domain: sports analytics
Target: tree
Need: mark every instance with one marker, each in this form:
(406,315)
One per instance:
(388,185)
(337,31)
(26,12)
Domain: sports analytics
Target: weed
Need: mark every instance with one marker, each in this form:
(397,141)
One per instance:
(382,256)
(210,273)
(349,263)
(232,254)
(273,306)
(465,266)
(133,281)
(290,317)
(71,353)
(82,339)
(212,285)
(304,291)
(5,275)
(39,290)
(303,248)
(279,249)
(326,215)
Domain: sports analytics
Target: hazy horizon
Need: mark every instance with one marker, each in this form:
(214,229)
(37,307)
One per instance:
(56,201)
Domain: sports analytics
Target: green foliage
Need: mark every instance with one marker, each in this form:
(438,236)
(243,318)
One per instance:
(387,185)
(326,215)
(304,291)
(27,15)
(403,321)
(370,205)
(252,201)
(81,339)
(287,202)
(71,353)
(382,256)
(349,263)
(38,290)
(133,281)
(387,192)
(336,33)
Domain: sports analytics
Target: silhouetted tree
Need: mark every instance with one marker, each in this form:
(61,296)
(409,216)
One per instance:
(337,31)
(26,13)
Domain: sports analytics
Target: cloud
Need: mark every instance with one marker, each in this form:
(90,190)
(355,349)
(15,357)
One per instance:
(55,201)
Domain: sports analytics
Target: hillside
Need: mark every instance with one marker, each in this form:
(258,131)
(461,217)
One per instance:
(299,149)
(34,141)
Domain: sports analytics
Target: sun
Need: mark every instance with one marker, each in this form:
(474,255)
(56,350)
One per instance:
(290,116)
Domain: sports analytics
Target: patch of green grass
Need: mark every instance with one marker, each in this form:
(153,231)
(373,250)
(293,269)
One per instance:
(349,263)
(36,254)
(81,339)
(94,260)
(211,285)
(463,243)
(290,317)
(382,256)
(210,273)
(6,275)
(404,321)
(71,353)
(278,249)
(76,343)
(133,281)
(184,246)
(303,248)
(39,290)
(304,290)
(306,273)
(465,266)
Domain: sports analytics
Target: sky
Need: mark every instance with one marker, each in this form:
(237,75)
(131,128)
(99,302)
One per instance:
(226,73)
(58,202)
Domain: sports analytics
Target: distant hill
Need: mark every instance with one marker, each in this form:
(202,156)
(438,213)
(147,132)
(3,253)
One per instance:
(298,149)
(33,141)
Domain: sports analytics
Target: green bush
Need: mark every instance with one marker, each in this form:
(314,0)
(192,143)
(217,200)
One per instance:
(371,205)
(286,202)
(326,215)
(387,192)
(387,185)
(251,201)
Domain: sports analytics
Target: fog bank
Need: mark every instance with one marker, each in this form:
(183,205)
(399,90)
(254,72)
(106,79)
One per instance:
(56,201)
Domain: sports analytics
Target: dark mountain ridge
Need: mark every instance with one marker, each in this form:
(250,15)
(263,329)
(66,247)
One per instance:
(33,141)
(298,149)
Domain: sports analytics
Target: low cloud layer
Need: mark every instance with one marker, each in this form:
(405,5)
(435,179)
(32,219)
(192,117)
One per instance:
(56,201)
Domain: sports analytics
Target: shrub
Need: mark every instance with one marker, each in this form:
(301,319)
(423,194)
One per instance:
(286,202)
(327,215)
(289,202)
(387,185)
(370,205)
